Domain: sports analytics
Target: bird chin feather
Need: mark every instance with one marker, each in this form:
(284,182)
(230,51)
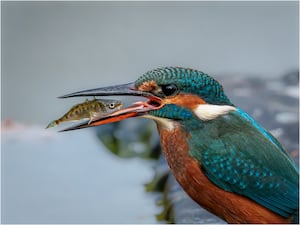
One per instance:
(163,123)
(207,112)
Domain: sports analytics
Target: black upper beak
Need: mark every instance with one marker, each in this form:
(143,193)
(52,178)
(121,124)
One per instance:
(123,89)
(137,109)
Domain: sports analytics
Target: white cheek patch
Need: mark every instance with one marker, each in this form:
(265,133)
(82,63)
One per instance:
(209,112)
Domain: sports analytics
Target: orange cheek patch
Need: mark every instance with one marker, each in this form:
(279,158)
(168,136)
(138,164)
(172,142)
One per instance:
(185,100)
(148,86)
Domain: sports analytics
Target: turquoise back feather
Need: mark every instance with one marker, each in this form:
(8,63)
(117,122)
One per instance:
(241,157)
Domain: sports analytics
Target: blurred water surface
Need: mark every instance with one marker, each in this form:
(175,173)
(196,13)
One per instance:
(50,177)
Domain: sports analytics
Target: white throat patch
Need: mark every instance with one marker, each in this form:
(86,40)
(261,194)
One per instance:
(163,122)
(209,112)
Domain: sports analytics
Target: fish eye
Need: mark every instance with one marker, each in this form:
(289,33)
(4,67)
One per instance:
(111,105)
(169,89)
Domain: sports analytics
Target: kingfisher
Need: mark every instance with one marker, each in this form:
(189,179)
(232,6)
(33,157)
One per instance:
(223,159)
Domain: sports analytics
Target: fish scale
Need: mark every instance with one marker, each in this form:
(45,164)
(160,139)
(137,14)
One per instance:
(88,110)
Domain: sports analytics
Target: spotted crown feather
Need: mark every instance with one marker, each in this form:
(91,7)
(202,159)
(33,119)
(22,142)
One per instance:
(190,81)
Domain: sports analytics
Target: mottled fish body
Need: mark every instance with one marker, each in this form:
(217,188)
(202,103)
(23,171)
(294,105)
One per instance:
(88,110)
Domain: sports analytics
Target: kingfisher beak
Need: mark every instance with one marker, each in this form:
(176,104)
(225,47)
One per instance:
(123,89)
(136,109)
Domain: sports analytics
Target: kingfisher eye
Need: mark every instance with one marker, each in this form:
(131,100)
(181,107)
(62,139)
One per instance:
(169,89)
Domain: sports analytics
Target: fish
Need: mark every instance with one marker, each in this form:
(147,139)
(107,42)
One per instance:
(95,108)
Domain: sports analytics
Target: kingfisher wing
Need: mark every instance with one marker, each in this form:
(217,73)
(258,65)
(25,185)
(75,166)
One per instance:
(237,172)
(241,158)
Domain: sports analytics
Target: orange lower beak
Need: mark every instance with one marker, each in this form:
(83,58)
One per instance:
(104,120)
(136,109)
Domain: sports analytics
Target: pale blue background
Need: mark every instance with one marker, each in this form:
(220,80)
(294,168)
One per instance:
(54,48)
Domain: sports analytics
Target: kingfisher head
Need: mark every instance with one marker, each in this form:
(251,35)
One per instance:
(172,93)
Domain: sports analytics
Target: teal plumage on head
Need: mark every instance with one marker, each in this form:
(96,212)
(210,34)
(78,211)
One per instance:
(188,80)
(223,159)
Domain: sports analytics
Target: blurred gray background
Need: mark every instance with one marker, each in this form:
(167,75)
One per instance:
(54,48)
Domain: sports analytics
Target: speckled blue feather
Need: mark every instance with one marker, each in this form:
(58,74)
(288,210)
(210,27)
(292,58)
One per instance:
(189,81)
(241,157)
